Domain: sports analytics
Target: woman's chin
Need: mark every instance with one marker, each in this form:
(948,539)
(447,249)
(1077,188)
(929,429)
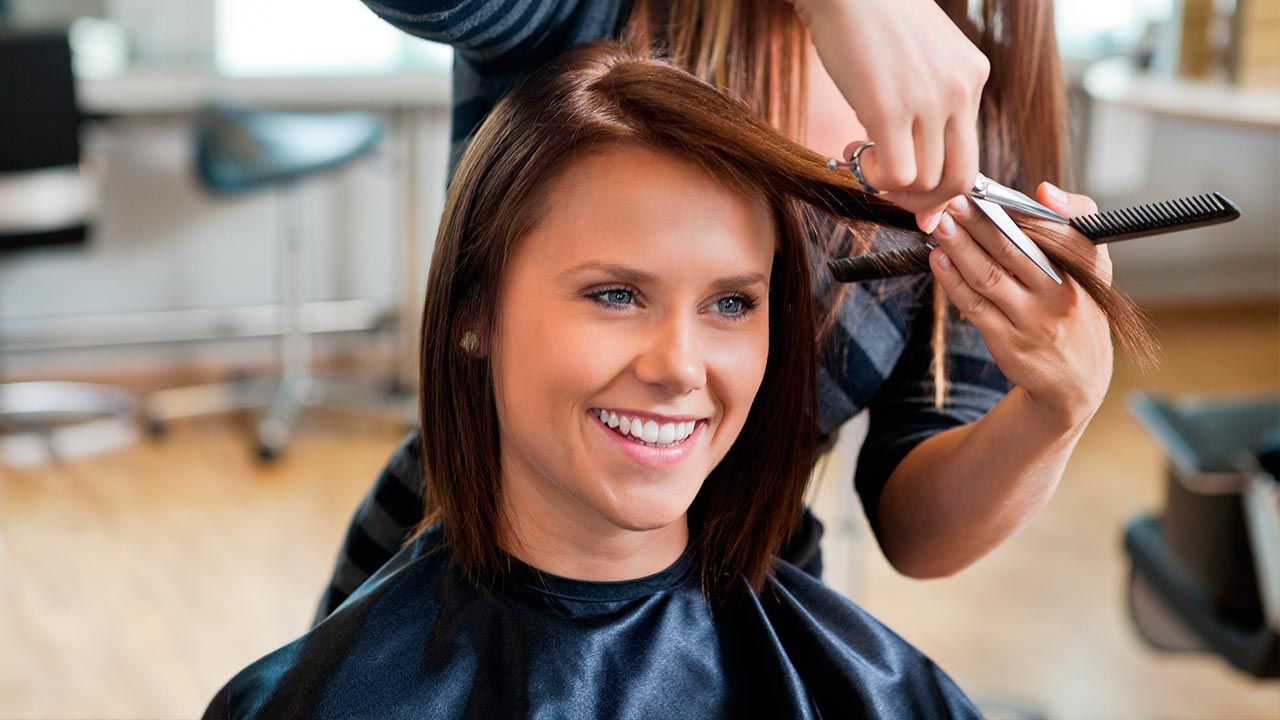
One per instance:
(645,516)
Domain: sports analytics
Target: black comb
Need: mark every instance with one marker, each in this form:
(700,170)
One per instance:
(1104,227)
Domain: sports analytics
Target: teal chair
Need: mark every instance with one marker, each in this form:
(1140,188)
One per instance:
(240,151)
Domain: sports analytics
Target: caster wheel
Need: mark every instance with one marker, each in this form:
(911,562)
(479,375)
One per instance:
(157,428)
(266,453)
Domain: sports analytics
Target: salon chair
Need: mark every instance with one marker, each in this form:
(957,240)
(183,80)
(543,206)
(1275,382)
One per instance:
(241,151)
(47,200)
(1205,572)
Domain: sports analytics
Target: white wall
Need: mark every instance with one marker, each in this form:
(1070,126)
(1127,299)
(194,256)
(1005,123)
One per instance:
(1136,159)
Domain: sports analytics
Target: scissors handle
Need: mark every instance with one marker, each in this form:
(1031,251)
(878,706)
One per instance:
(984,188)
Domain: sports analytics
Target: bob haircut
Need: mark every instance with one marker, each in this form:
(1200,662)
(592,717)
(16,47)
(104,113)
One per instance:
(588,98)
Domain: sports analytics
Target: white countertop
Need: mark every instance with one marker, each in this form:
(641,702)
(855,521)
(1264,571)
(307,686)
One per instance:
(1116,81)
(169,88)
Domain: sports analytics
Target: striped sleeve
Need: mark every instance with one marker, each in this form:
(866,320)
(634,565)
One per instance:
(382,522)
(482,29)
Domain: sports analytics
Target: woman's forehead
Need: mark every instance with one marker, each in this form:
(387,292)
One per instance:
(630,203)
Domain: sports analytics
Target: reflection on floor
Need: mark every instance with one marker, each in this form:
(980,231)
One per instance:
(136,583)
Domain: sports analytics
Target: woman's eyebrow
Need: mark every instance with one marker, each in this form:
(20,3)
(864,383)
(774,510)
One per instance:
(637,276)
(630,274)
(737,281)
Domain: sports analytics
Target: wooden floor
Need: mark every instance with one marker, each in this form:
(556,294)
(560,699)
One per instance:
(135,583)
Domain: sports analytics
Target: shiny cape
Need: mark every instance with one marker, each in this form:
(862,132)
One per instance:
(419,640)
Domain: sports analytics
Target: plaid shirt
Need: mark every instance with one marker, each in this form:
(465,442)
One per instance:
(876,357)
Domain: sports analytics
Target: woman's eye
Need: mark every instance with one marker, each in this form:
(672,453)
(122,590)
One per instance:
(731,306)
(615,296)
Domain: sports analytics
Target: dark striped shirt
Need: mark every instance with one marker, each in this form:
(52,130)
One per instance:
(877,356)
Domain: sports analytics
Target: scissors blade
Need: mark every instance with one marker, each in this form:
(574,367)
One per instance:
(987,189)
(1016,236)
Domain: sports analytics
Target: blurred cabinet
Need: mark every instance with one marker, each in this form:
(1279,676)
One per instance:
(1152,138)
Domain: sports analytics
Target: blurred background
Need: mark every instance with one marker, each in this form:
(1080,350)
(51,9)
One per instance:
(215,222)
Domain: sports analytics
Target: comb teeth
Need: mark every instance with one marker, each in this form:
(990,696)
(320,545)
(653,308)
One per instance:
(1182,213)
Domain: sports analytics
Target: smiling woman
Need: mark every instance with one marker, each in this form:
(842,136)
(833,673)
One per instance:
(601,222)
(619,388)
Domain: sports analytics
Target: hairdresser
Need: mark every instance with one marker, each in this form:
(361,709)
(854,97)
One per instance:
(972,419)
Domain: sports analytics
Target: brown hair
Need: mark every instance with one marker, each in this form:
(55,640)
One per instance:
(755,51)
(585,99)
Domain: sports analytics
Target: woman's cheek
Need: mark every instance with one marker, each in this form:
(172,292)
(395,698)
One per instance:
(738,363)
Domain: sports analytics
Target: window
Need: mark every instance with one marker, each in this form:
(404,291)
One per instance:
(257,37)
(1090,28)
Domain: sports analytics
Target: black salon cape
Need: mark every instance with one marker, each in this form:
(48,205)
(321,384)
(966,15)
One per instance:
(418,640)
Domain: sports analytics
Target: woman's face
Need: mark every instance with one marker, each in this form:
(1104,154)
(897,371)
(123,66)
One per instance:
(632,337)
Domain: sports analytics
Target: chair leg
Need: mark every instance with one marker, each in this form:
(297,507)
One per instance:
(275,428)
(285,397)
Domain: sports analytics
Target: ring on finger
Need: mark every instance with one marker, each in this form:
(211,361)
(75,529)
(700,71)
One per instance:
(855,166)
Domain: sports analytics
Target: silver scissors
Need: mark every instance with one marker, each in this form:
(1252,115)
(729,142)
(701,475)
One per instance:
(991,198)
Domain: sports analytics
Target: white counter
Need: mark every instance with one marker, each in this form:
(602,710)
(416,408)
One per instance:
(1117,82)
(162,89)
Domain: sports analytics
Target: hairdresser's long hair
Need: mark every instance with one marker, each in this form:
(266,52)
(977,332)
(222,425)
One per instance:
(586,99)
(756,51)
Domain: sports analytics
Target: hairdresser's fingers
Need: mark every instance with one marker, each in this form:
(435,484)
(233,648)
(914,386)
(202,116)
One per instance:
(983,274)
(941,172)
(998,247)
(960,171)
(1064,203)
(926,206)
(1072,205)
(930,138)
(973,305)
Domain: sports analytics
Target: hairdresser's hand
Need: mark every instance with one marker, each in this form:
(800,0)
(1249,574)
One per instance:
(915,82)
(1051,340)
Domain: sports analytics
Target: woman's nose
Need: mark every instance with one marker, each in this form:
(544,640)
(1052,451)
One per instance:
(673,358)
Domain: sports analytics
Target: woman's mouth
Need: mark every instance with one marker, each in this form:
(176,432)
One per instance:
(647,432)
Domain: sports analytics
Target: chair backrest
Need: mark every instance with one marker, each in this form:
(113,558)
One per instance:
(42,198)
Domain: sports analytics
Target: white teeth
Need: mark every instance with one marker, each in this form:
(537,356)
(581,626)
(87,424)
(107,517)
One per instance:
(666,434)
(650,432)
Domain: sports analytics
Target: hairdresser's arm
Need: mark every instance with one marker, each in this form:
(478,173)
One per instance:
(915,82)
(484,29)
(960,493)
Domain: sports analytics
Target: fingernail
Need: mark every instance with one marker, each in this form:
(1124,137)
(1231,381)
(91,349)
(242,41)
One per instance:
(1055,194)
(931,222)
(946,226)
(944,262)
(959,203)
